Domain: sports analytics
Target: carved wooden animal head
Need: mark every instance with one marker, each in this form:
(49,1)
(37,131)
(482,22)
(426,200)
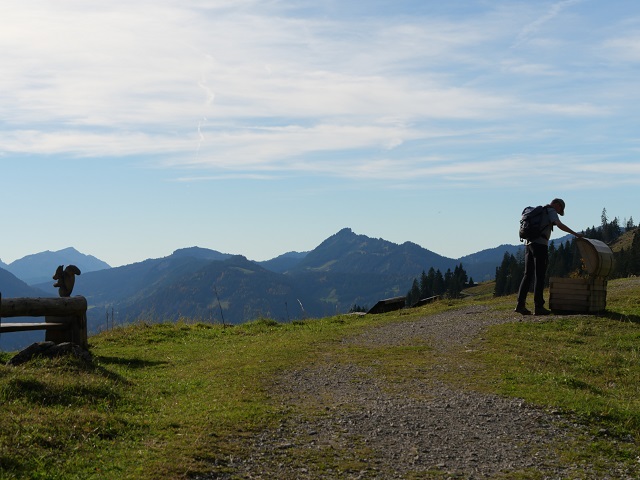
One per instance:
(58,274)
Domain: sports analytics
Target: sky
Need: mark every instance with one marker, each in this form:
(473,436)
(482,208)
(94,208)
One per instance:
(132,128)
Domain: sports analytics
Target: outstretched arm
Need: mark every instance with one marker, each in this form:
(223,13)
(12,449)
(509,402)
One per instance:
(564,228)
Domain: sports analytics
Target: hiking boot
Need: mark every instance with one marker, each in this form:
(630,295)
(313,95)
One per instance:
(541,311)
(522,310)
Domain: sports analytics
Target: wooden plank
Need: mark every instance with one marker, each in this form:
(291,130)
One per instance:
(572,280)
(600,282)
(577,293)
(577,306)
(577,286)
(571,296)
(566,284)
(40,307)
(23,327)
(598,295)
(573,304)
(579,297)
(569,307)
(570,288)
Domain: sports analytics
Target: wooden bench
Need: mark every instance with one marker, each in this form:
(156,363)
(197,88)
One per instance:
(65,318)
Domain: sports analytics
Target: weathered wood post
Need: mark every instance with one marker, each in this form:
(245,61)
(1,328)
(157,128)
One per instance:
(75,333)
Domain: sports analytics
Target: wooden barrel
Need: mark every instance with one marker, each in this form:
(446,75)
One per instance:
(597,257)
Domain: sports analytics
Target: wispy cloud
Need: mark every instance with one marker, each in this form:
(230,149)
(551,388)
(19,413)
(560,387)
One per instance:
(625,48)
(250,88)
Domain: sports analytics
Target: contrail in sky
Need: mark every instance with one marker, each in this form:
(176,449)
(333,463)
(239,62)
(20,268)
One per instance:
(534,26)
(209,98)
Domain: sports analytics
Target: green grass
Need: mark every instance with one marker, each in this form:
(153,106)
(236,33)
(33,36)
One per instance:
(481,289)
(158,402)
(586,366)
(168,400)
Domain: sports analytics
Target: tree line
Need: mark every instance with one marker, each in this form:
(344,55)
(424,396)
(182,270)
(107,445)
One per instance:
(565,260)
(434,283)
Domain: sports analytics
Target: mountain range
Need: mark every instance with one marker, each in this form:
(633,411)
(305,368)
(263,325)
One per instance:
(40,267)
(346,269)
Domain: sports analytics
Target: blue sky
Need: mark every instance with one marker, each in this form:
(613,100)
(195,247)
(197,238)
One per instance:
(129,129)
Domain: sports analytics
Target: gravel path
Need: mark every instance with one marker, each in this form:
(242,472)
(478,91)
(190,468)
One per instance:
(424,428)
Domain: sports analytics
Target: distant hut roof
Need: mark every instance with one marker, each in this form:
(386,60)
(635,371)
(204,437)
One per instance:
(424,301)
(388,305)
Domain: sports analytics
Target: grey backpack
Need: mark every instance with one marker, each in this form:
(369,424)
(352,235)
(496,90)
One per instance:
(533,222)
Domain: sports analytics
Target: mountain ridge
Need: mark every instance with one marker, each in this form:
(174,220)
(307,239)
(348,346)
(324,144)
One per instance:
(354,253)
(40,267)
(347,251)
(345,270)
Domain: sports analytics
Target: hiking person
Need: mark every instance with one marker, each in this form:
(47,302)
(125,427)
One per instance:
(536,257)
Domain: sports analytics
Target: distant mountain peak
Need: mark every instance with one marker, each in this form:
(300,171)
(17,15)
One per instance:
(200,253)
(68,250)
(348,252)
(39,267)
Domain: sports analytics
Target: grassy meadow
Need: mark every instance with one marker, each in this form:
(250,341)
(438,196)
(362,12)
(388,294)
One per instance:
(169,400)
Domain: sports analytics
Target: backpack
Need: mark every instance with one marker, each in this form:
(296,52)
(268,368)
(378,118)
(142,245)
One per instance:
(533,222)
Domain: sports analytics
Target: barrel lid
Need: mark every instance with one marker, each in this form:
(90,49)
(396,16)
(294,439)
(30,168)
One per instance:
(597,256)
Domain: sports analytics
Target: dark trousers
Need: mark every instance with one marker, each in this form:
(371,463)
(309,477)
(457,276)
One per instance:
(536,257)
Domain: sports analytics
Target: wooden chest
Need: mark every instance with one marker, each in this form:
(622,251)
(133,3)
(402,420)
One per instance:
(582,295)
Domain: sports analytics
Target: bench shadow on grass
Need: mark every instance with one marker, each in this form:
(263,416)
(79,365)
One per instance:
(133,363)
(129,362)
(619,317)
(43,393)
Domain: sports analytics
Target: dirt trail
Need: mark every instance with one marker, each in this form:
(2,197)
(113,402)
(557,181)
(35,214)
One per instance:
(423,428)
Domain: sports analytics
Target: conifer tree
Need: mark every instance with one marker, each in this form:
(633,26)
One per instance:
(425,286)
(438,283)
(414,294)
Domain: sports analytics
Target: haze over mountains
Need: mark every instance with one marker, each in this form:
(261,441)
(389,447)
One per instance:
(344,270)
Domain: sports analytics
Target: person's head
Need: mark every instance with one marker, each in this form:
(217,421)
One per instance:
(558,204)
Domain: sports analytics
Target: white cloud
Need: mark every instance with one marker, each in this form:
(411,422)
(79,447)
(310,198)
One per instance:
(130,64)
(613,168)
(530,69)
(238,88)
(625,48)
